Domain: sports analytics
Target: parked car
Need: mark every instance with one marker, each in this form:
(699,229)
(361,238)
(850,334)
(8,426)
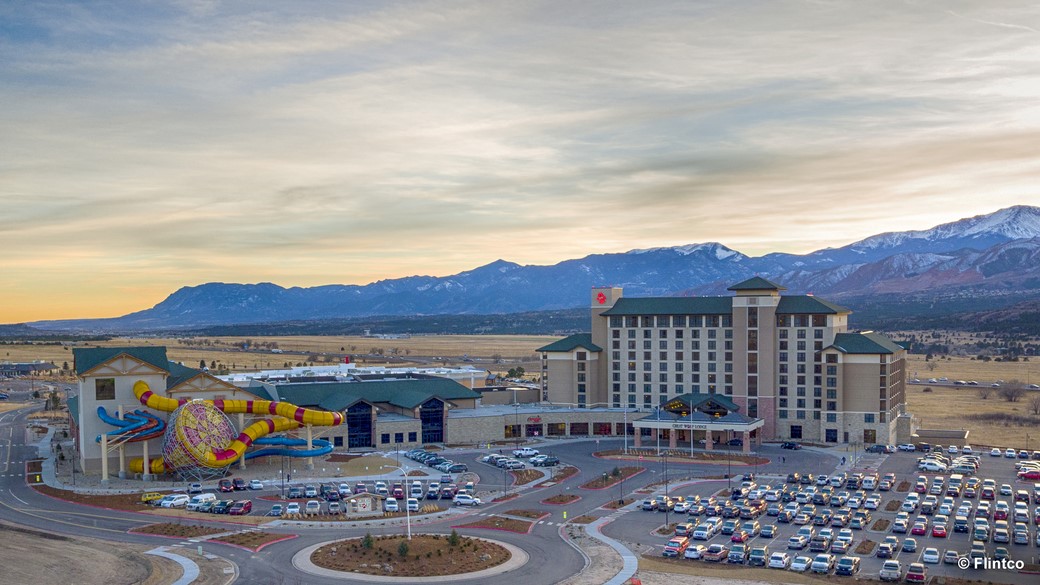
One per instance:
(790,445)
(292,508)
(466,500)
(174,501)
(194,488)
(779,560)
(314,507)
(891,570)
(847,566)
(525,452)
(225,485)
(390,505)
(239,484)
(276,510)
(256,484)
(240,508)
(801,564)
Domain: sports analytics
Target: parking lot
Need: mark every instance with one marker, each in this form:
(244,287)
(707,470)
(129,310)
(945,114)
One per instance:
(904,466)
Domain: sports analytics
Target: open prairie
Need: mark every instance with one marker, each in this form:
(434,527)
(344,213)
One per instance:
(494,352)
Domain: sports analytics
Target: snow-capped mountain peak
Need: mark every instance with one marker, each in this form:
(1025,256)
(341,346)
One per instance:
(1017,222)
(718,250)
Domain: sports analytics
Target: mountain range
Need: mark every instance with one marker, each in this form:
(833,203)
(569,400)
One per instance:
(988,256)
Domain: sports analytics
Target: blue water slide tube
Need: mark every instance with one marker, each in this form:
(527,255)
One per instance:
(321,447)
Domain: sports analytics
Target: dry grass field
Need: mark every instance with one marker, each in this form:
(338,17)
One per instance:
(508,350)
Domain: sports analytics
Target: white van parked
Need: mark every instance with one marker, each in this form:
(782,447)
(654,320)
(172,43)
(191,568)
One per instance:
(196,502)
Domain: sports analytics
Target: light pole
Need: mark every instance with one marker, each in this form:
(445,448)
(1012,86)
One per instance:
(407,512)
(691,433)
(626,428)
(283,476)
(516,423)
(666,489)
(621,491)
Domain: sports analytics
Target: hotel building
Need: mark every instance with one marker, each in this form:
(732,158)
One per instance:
(779,366)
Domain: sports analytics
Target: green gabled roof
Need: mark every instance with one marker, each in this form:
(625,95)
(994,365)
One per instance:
(88,358)
(864,343)
(757,283)
(179,374)
(696,399)
(671,306)
(572,342)
(403,393)
(808,305)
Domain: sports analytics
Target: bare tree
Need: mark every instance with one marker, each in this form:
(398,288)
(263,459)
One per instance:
(985,392)
(1012,392)
(931,366)
(1034,405)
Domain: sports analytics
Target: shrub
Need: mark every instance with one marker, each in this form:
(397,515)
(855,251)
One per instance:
(402,549)
(367,541)
(453,538)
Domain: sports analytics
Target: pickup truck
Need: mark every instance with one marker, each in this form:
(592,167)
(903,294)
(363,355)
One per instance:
(715,553)
(525,452)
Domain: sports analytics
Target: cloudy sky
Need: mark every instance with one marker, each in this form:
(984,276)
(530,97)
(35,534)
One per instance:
(149,146)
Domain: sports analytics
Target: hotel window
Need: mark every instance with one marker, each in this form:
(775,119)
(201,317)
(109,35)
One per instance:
(817,333)
(663,388)
(632,332)
(712,334)
(752,386)
(801,356)
(832,370)
(696,321)
(631,345)
(800,403)
(817,403)
(831,393)
(832,358)
(711,366)
(752,363)
(679,345)
(663,333)
(816,415)
(646,366)
(783,414)
(581,366)
(647,344)
(817,347)
(105,389)
(646,400)
(582,356)
(616,356)
(868,417)
(631,376)
(800,392)
(678,366)
(782,356)
(679,377)
(695,334)
(783,346)
(801,321)
(752,408)
(782,333)
(646,355)
(783,391)
(783,403)
(616,377)
(679,321)
(801,346)
(881,417)
(711,321)
(647,321)
(783,320)
(695,377)
(581,376)
(832,382)
(800,333)
(819,320)
(679,334)
(727,321)
(801,414)
(832,417)
(752,340)
(615,321)
(832,405)
(581,388)
(617,387)
(631,388)
(663,356)
(782,379)
(678,356)
(647,377)
(752,317)
(800,380)
(616,344)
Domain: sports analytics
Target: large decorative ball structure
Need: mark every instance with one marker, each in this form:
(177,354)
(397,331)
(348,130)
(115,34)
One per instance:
(194,429)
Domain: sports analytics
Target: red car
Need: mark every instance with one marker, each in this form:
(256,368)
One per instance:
(1031,474)
(988,493)
(239,484)
(225,485)
(916,573)
(241,508)
(920,488)
(939,531)
(740,536)
(919,529)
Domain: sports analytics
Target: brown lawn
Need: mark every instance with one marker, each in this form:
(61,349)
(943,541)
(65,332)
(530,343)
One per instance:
(525,476)
(178,530)
(425,555)
(602,482)
(534,514)
(254,541)
(560,499)
(500,523)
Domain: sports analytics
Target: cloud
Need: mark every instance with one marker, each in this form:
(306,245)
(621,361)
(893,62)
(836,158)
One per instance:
(306,144)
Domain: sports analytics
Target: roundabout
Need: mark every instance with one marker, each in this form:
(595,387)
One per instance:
(307,560)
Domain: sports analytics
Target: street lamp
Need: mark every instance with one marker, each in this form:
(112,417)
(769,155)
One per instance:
(626,428)
(666,488)
(407,512)
(516,423)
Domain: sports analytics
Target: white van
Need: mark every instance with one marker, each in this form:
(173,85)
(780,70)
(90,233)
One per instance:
(197,501)
(869,482)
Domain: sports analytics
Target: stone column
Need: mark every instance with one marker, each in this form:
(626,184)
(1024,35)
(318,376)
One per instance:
(310,445)
(146,469)
(242,427)
(104,459)
(673,436)
(637,438)
(747,442)
(708,441)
